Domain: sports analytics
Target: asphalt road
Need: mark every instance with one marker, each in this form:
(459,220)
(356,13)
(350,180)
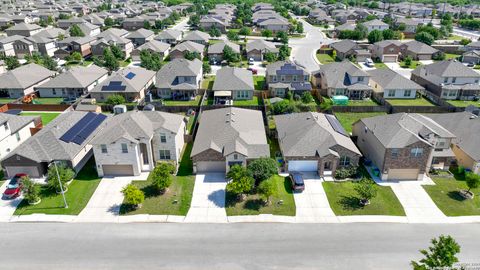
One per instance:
(224,246)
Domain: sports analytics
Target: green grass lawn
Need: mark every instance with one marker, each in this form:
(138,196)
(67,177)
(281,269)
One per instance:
(207,83)
(463,103)
(455,37)
(326,103)
(255,101)
(259,82)
(7,100)
(46,117)
(380,65)
(78,195)
(125,63)
(347,119)
(85,63)
(190,123)
(451,56)
(194,102)
(413,64)
(56,100)
(363,102)
(410,102)
(253,204)
(325,58)
(446,196)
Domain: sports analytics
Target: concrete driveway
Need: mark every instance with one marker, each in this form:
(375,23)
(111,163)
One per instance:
(7,207)
(208,201)
(405,72)
(312,204)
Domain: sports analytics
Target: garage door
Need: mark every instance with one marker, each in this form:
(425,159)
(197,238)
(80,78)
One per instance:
(389,58)
(403,174)
(30,171)
(117,169)
(210,166)
(303,165)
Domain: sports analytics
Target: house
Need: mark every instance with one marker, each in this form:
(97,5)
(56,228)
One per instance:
(23,29)
(179,79)
(198,37)
(320,16)
(23,47)
(227,137)
(154,46)
(170,36)
(124,44)
(83,45)
(342,78)
(471,57)
(349,49)
(132,24)
(67,23)
(51,33)
(14,130)
(94,19)
(73,83)
(448,80)
(257,49)
(315,142)
(404,146)
(113,32)
(215,51)
(21,81)
(133,142)
(475,45)
(232,83)
(131,83)
(420,51)
(140,36)
(409,24)
(209,22)
(465,146)
(90,30)
(375,25)
(68,138)
(284,76)
(181,49)
(6,45)
(390,84)
(275,25)
(388,50)
(42,45)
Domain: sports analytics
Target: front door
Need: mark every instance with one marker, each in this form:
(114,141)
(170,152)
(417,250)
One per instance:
(143,150)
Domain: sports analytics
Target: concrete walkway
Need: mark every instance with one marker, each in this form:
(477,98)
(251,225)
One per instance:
(208,201)
(7,206)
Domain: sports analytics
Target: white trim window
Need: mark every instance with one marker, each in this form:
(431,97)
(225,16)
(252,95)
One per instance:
(124,148)
(416,152)
(164,154)
(344,161)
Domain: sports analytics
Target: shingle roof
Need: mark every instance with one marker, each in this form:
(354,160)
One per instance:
(261,45)
(389,79)
(420,47)
(154,45)
(113,31)
(24,27)
(447,68)
(218,47)
(285,68)
(168,74)
(375,22)
(344,45)
(335,74)
(232,78)
(189,46)
(76,77)
(169,34)
(140,33)
(24,76)
(197,36)
(139,80)
(16,122)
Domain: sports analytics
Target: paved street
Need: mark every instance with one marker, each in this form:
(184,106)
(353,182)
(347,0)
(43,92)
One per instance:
(182,25)
(218,246)
(208,201)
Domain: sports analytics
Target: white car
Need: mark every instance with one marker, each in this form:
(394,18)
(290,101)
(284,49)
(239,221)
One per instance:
(369,62)
(250,61)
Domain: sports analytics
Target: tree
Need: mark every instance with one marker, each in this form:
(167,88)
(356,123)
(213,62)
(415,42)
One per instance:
(109,22)
(192,55)
(241,181)
(472,180)
(133,195)
(110,61)
(360,31)
(441,254)
(267,33)
(266,190)
(334,55)
(425,37)
(299,28)
(150,60)
(388,34)
(282,36)
(465,41)
(161,178)
(214,32)
(75,31)
(49,63)
(231,35)
(367,190)
(283,107)
(283,52)
(76,56)
(117,52)
(270,57)
(262,168)
(194,21)
(408,61)
(307,97)
(115,100)
(229,55)
(159,24)
(375,36)
(244,31)
(146,24)
(66,174)
(31,190)
(12,62)
(206,68)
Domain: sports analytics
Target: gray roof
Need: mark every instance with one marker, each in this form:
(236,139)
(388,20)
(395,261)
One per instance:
(346,26)
(24,77)
(51,33)
(344,45)
(232,130)
(168,74)
(285,68)
(140,33)
(310,134)
(140,79)
(217,48)
(135,125)
(113,31)
(154,45)
(233,78)
(447,68)
(24,27)
(261,45)
(169,34)
(389,79)
(112,39)
(420,47)
(375,22)
(76,77)
(16,122)
(336,74)
(46,146)
(197,36)
(10,39)
(189,46)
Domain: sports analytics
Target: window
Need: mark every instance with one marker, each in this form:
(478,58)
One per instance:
(452,93)
(440,144)
(416,152)
(306,78)
(5,126)
(344,161)
(360,79)
(235,156)
(124,148)
(54,92)
(294,78)
(282,78)
(104,148)
(274,78)
(164,154)
(454,80)
(17,135)
(445,80)
(395,152)
(391,93)
(407,93)
(163,138)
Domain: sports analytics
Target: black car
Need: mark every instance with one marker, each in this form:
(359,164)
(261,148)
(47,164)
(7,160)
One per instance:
(297,181)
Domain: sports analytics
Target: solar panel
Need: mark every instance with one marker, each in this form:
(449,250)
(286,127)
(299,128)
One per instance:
(130,75)
(70,134)
(114,86)
(88,129)
(335,124)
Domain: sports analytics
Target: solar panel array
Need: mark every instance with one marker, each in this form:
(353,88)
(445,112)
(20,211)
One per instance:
(83,128)
(336,125)
(130,75)
(114,86)
(289,69)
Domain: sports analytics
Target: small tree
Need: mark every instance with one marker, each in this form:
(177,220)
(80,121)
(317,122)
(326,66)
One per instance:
(206,68)
(75,31)
(192,55)
(133,195)
(214,32)
(307,97)
(267,33)
(110,61)
(109,22)
(49,63)
(299,28)
(31,191)
(231,35)
(441,254)
(66,174)
(375,36)
(76,56)
(473,181)
(408,61)
(244,31)
(12,62)
(115,99)
(266,190)
(241,181)
(262,168)
(367,190)
(146,24)
(270,57)
(282,36)
(334,55)
(425,37)
(161,177)
(117,52)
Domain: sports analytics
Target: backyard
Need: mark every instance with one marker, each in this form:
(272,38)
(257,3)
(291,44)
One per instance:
(410,102)
(259,82)
(193,102)
(47,117)
(207,82)
(464,103)
(347,119)
(325,58)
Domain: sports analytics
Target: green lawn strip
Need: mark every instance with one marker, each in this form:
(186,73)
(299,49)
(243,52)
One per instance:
(325,58)
(451,56)
(463,103)
(274,146)
(255,101)
(413,64)
(79,193)
(7,100)
(380,65)
(363,102)
(253,204)
(347,119)
(410,102)
(194,102)
(55,100)
(46,117)
(125,63)
(455,37)
(344,200)
(207,83)
(445,194)
(259,82)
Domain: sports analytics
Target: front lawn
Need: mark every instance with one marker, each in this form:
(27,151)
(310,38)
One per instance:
(194,102)
(282,202)
(255,101)
(464,103)
(451,56)
(410,102)
(445,194)
(55,100)
(78,195)
(259,82)
(207,83)
(325,58)
(46,117)
(379,65)
(347,119)
(413,64)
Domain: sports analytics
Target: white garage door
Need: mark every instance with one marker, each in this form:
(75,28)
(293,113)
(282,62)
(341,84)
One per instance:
(302,165)
(402,174)
(210,166)
(30,171)
(389,58)
(117,169)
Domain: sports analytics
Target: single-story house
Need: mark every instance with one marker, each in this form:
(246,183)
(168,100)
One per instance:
(21,81)
(154,46)
(232,83)
(393,85)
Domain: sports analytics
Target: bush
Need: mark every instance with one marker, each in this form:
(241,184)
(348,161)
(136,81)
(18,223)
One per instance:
(408,61)
(31,191)
(266,190)
(66,174)
(283,107)
(472,180)
(161,177)
(346,172)
(296,97)
(241,180)
(307,97)
(133,195)
(263,168)
(115,100)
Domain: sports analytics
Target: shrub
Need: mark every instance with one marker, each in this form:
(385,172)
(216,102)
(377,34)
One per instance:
(307,97)
(241,180)
(263,168)
(133,195)
(346,172)
(115,100)
(441,255)
(31,191)
(366,189)
(266,190)
(296,97)
(283,107)
(472,180)
(66,174)
(161,177)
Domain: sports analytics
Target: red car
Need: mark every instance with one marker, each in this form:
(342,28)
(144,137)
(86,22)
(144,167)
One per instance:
(14,187)
(254,71)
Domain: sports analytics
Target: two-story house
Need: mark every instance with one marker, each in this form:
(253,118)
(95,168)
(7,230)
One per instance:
(14,130)
(375,25)
(23,29)
(124,44)
(7,45)
(140,36)
(284,76)
(179,79)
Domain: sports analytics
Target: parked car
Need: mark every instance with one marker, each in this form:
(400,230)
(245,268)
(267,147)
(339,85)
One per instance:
(250,61)
(14,187)
(254,71)
(297,181)
(369,62)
